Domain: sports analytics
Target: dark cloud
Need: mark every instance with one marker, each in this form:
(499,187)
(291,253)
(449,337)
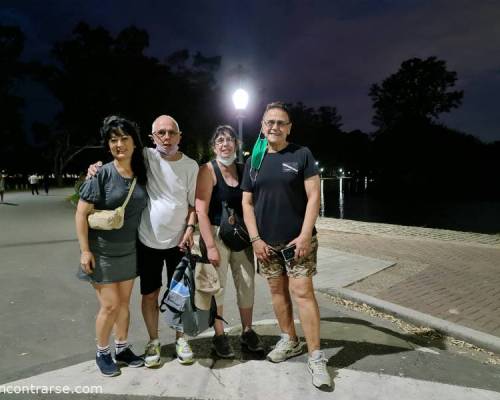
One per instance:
(321,52)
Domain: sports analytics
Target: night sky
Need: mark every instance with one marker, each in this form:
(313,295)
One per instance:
(317,52)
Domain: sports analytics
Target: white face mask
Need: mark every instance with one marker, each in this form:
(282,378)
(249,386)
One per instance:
(227,161)
(164,152)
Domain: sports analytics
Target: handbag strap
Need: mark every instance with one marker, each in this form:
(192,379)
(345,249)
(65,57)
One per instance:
(132,186)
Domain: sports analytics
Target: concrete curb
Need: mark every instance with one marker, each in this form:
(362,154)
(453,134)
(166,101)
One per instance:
(480,339)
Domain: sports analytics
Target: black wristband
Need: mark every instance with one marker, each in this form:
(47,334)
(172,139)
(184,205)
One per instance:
(191,226)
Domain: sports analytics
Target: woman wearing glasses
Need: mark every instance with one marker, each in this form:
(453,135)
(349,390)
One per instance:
(219,181)
(281,197)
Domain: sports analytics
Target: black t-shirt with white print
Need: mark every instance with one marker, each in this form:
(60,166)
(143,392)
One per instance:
(278,192)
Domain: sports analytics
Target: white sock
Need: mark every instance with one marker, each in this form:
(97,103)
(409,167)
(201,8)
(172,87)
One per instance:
(103,350)
(316,355)
(120,345)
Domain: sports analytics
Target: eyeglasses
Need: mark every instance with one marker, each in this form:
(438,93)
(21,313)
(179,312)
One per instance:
(279,123)
(163,132)
(222,140)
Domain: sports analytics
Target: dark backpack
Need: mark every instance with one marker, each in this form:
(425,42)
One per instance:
(178,305)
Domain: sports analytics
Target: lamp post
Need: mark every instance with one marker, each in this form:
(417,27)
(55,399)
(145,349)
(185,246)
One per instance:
(240,101)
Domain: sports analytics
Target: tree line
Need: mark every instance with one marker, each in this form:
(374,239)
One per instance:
(94,73)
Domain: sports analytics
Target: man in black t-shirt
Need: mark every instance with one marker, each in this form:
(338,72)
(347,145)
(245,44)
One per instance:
(281,200)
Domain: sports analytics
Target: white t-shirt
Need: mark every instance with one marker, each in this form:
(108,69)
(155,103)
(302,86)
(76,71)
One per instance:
(171,187)
(33,179)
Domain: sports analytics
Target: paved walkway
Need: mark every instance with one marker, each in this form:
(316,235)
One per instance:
(46,335)
(400,231)
(453,276)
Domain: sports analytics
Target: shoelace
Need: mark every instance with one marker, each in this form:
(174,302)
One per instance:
(282,344)
(319,366)
(150,349)
(183,344)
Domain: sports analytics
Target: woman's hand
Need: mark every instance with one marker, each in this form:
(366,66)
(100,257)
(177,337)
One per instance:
(87,262)
(302,246)
(262,250)
(213,256)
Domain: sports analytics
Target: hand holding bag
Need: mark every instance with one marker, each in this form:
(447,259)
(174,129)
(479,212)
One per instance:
(110,219)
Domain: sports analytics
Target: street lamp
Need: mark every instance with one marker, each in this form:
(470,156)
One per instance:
(240,101)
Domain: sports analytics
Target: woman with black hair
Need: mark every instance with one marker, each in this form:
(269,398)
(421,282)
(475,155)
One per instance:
(108,257)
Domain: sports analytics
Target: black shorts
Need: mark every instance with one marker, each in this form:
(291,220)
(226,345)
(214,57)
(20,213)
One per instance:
(150,266)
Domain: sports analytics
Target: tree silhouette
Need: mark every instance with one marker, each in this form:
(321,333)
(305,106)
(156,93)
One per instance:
(11,69)
(416,94)
(97,74)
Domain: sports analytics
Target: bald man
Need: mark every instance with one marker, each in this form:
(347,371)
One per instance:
(166,227)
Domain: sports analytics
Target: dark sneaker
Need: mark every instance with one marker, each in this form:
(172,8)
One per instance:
(106,365)
(128,358)
(252,341)
(222,346)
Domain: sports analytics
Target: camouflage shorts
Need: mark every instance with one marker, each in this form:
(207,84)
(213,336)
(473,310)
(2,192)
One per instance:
(276,266)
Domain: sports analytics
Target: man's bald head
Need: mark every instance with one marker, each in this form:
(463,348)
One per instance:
(163,120)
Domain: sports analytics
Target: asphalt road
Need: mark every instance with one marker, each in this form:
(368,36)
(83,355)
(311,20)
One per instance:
(47,326)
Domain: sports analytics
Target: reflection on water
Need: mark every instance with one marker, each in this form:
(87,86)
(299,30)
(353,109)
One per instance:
(341,198)
(352,198)
(322,199)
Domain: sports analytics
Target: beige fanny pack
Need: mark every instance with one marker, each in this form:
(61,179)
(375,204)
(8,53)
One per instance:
(110,219)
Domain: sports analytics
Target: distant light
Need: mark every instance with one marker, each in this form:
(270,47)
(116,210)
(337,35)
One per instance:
(321,169)
(341,170)
(240,99)
(317,163)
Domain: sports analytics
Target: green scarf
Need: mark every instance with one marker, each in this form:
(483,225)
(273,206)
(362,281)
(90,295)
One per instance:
(258,152)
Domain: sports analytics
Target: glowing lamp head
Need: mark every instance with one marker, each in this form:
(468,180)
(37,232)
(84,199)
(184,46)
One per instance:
(240,99)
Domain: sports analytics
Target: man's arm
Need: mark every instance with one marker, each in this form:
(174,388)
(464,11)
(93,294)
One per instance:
(303,241)
(260,247)
(93,169)
(187,239)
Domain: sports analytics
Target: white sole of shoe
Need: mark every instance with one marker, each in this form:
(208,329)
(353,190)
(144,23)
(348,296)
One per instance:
(152,364)
(185,362)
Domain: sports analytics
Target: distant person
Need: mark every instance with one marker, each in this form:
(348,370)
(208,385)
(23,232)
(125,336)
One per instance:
(281,197)
(108,257)
(219,180)
(33,180)
(46,183)
(3,177)
(166,228)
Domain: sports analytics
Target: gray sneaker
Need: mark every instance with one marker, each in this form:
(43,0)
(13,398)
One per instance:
(222,347)
(152,354)
(285,349)
(320,376)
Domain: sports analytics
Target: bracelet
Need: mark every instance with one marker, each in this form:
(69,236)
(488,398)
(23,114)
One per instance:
(254,239)
(191,226)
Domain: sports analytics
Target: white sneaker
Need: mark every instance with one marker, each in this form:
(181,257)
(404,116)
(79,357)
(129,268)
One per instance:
(320,376)
(183,351)
(152,354)
(285,349)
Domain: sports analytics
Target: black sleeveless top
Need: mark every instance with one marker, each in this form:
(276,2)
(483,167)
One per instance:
(223,192)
